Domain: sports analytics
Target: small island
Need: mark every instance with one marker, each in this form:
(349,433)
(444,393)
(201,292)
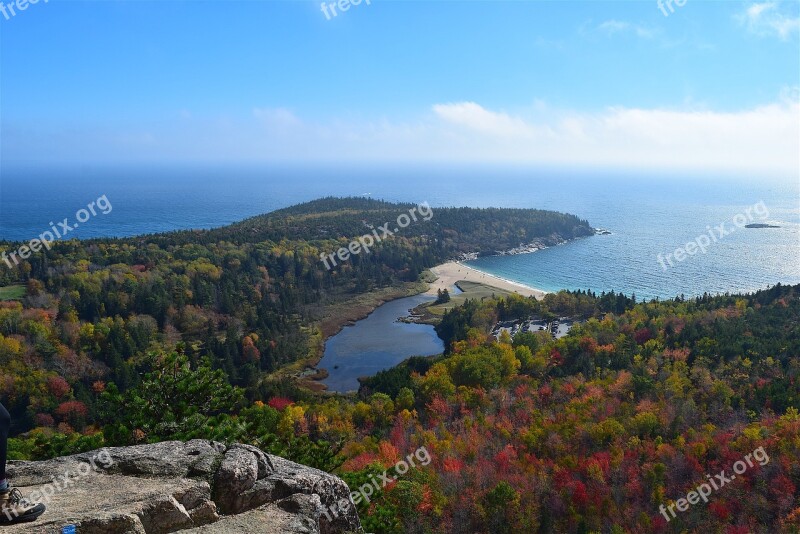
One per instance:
(761,225)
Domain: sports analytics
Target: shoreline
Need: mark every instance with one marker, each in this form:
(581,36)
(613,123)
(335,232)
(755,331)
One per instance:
(447,274)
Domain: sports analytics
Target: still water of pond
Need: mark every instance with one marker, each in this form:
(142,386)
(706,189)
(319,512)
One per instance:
(376,343)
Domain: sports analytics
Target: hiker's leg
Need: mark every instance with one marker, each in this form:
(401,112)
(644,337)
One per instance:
(14,508)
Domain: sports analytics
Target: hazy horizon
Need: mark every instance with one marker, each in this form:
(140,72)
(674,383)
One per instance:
(708,87)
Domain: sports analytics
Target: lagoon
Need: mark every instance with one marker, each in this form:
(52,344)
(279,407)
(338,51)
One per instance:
(376,343)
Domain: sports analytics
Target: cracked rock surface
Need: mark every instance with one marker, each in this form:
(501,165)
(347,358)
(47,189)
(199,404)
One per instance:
(195,487)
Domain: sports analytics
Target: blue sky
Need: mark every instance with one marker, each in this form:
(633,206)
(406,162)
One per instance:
(713,85)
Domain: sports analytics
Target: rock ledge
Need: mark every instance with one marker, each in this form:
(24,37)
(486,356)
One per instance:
(194,487)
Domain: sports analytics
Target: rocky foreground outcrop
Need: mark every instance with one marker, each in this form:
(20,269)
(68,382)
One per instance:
(193,487)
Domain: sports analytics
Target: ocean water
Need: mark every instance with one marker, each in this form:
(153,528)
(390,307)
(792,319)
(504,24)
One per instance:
(639,256)
(647,215)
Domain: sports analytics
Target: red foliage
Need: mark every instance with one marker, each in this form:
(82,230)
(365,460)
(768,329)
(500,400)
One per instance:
(44,419)
(677,354)
(505,459)
(602,460)
(388,452)
(659,523)
(545,392)
(426,505)
(452,465)
(70,408)
(588,344)
(38,315)
(279,403)
(642,336)
(580,497)
(57,386)
(561,479)
(720,510)
(521,390)
(439,407)
(250,353)
(399,434)
(360,462)
(634,488)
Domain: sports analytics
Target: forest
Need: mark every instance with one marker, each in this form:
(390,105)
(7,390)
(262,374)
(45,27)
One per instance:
(246,298)
(175,336)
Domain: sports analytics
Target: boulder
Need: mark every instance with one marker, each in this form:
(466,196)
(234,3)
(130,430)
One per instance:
(197,486)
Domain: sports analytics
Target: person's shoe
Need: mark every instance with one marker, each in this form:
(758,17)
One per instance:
(14,508)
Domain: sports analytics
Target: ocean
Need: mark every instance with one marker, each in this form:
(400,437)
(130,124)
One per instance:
(648,216)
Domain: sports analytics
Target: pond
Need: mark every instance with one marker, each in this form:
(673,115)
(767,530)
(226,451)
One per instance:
(376,343)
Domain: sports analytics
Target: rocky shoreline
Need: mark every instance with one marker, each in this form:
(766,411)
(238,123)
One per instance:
(533,246)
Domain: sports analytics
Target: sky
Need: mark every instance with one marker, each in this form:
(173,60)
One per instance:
(688,85)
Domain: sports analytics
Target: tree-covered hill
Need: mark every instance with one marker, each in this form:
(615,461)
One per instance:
(247,297)
(600,431)
(452,229)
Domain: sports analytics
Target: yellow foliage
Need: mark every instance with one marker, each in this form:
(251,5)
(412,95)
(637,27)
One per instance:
(9,348)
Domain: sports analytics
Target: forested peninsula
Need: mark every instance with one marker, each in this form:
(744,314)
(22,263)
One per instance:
(250,299)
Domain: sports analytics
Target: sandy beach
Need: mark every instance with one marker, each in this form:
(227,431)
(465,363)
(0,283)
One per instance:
(451,272)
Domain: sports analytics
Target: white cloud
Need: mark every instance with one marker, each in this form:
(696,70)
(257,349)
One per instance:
(769,19)
(612,27)
(755,10)
(761,141)
(276,117)
(475,117)
(758,140)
